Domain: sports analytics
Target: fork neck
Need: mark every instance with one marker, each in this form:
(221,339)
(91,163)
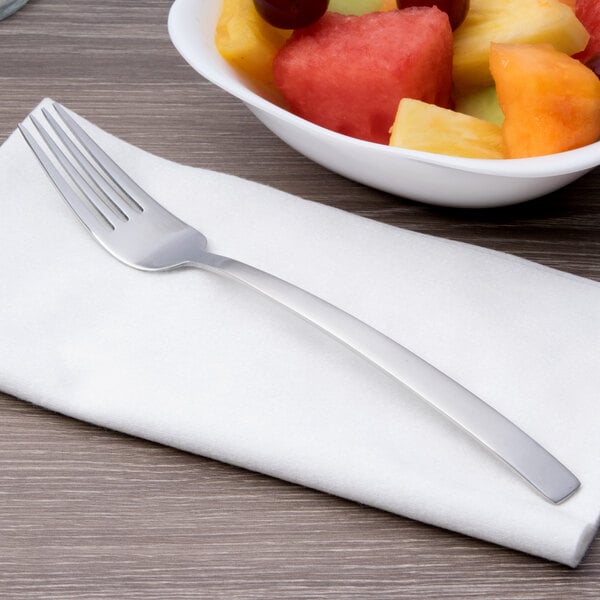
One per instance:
(209,261)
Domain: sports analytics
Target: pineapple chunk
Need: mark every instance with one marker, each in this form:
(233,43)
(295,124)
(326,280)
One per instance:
(515,22)
(422,126)
(246,41)
(551,101)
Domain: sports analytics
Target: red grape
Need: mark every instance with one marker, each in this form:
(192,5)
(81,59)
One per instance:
(455,9)
(594,63)
(291,14)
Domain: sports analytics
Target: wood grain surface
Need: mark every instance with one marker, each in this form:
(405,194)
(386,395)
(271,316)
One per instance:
(88,513)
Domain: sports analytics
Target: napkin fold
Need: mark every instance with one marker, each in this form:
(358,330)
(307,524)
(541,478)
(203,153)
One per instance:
(196,361)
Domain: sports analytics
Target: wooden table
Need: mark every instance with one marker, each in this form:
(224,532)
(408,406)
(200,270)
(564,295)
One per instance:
(87,513)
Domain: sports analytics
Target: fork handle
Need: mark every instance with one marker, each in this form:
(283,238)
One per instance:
(494,431)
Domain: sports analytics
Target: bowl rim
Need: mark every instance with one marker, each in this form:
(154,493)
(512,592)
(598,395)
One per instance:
(224,77)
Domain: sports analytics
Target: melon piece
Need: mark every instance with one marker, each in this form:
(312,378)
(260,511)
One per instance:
(482,104)
(588,12)
(348,73)
(430,128)
(515,22)
(353,7)
(551,101)
(248,42)
(388,5)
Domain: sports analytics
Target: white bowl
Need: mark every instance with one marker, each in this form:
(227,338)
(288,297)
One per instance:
(422,176)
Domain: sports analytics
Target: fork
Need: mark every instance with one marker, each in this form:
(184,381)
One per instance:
(139,232)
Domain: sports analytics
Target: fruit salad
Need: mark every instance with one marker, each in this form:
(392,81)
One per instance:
(486,79)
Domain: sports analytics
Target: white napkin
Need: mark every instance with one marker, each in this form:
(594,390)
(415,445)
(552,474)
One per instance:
(198,362)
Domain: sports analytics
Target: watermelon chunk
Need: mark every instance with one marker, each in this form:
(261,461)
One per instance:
(588,12)
(348,73)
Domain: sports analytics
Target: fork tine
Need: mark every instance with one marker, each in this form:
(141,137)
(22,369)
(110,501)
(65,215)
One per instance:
(75,176)
(92,220)
(118,176)
(113,200)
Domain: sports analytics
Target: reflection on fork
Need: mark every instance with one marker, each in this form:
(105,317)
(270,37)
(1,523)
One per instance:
(139,232)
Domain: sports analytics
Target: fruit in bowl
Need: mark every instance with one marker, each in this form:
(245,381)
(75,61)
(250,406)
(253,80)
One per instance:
(349,72)
(428,176)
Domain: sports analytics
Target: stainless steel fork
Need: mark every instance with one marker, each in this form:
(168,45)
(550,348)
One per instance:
(135,229)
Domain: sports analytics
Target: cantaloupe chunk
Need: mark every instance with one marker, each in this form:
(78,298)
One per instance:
(430,128)
(551,101)
(247,41)
(511,21)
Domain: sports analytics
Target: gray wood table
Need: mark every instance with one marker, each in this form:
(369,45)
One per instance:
(88,513)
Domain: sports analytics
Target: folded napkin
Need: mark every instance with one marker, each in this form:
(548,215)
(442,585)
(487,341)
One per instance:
(196,361)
